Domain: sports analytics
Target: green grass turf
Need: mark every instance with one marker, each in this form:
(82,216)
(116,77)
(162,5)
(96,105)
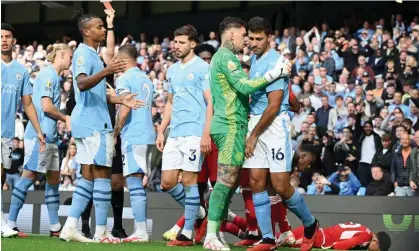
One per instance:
(45,243)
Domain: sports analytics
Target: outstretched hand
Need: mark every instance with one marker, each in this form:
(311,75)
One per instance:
(131,102)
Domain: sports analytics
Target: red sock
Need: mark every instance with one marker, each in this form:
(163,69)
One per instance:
(231,228)
(284,225)
(252,223)
(181,222)
(240,222)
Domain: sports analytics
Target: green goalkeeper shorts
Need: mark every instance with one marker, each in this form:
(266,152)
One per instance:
(231,147)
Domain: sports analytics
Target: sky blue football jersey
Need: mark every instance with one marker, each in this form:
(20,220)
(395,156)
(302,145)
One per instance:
(47,84)
(187,82)
(14,84)
(259,99)
(91,111)
(138,128)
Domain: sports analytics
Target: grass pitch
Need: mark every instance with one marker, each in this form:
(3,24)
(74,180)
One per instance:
(45,243)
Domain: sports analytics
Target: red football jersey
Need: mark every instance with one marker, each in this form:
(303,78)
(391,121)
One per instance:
(346,236)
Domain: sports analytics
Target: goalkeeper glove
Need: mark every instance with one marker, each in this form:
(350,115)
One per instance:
(281,69)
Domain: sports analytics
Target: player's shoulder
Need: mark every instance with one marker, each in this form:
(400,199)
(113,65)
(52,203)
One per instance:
(16,66)
(173,67)
(200,65)
(273,55)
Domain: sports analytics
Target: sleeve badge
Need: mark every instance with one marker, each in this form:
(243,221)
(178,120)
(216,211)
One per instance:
(231,65)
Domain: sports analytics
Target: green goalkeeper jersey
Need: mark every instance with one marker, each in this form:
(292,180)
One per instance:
(230,89)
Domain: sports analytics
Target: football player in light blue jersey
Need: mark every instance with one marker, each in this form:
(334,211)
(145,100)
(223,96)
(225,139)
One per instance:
(189,112)
(14,87)
(137,132)
(92,129)
(269,145)
(47,99)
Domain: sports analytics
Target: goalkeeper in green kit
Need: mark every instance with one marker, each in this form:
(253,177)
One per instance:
(230,89)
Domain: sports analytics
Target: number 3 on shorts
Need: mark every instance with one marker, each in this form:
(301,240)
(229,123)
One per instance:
(193,155)
(277,154)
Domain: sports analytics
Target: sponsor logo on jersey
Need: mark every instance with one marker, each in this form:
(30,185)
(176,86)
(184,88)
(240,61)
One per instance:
(80,61)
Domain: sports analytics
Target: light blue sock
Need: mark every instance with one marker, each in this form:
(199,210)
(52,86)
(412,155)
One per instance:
(297,205)
(192,203)
(81,198)
(263,213)
(52,199)
(138,198)
(102,200)
(18,197)
(178,193)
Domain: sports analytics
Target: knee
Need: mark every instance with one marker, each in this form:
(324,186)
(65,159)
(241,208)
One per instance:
(257,185)
(167,184)
(189,179)
(117,183)
(281,188)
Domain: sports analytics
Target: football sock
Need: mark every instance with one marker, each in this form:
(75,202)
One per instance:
(192,204)
(138,198)
(81,197)
(178,193)
(52,199)
(263,213)
(102,200)
(18,197)
(117,202)
(297,205)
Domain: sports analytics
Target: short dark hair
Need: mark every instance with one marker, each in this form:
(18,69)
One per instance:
(130,50)
(8,27)
(82,19)
(16,138)
(204,47)
(386,137)
(187,30)
(259,24)
(231,22)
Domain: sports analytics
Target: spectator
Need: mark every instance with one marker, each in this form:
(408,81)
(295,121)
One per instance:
(213,40)
(345,150)
(305,92)
(314,63)
(380,184)
(384,157)
(315,98)
(398,104)
(368,143)
(377,63)
(404,168)
(17,154)
(337,115)
(322,115)
(378,91)
(346,181)
(377,126)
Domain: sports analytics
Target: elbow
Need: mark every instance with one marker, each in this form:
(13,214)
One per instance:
(82,87)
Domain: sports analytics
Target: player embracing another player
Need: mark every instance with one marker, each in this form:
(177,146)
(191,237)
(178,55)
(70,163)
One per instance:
(92,129)
(189,113)
(230,89)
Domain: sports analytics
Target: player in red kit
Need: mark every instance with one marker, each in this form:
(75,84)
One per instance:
(346,236)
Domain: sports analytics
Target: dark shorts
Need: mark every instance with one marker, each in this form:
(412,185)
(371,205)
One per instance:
(117,160)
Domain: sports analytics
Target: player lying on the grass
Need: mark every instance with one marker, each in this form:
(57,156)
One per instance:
(137,133)
(15,87)
(230,88)
(47,98)
(347,236)
(189,112)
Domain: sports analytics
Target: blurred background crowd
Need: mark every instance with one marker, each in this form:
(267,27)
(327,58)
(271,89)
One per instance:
(358,90)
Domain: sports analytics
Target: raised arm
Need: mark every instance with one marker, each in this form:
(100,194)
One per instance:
(110,37)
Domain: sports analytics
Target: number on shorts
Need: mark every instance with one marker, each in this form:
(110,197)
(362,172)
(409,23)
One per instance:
(146,87)
(10,154)
(278,155)
(193,155)
(123,160)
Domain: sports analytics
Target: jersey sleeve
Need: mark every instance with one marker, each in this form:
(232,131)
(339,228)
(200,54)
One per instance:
(205,79)
(358,240)
(230,66)
(82,65)
(47,85)
(26,86)
(169,81)
(122,86)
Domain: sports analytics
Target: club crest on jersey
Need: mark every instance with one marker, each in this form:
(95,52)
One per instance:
(191,76)
(18,76)
(80,61)
(231,65)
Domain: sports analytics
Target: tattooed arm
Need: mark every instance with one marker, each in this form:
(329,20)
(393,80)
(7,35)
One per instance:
(121,118)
